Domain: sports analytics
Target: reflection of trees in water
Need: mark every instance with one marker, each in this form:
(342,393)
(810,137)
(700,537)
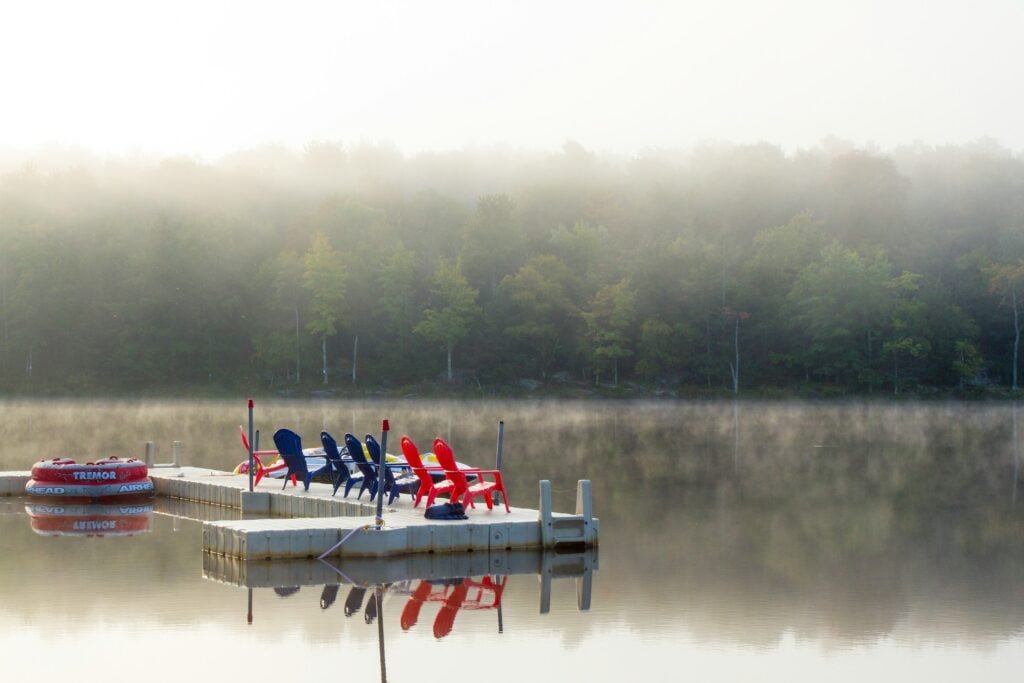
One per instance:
(844,573)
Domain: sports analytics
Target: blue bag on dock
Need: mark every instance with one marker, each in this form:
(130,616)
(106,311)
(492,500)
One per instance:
(446,511)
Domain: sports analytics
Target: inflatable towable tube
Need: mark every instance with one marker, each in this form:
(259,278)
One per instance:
(105,478)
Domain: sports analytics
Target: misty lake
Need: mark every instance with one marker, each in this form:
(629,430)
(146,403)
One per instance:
(739,541)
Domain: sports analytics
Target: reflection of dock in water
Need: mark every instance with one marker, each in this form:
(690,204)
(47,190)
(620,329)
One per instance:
(454,582)
(364,571)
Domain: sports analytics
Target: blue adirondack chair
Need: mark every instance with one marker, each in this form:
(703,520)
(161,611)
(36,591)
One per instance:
(289,445)
(367,468)
(340,473)
(405,481)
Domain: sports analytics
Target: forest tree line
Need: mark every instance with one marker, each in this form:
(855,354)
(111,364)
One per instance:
(724,268)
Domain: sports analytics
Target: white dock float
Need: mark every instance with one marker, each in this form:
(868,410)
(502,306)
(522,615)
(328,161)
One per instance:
(13,483)
(295,523)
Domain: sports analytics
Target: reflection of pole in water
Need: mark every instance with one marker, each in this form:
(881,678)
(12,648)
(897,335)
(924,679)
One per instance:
(1016,459)
(736,436)
(379,597)
(248,617)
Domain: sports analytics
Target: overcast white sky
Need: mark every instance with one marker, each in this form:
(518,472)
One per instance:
(208,77)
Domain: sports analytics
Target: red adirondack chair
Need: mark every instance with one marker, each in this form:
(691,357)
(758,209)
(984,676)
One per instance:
(446,457)
(428,487)
(261,469)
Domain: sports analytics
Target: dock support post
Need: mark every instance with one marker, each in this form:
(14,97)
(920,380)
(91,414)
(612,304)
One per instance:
(255,503)
(585,509)
(382,469)
(150,454)
(547,531)
(251,452)
(177,454)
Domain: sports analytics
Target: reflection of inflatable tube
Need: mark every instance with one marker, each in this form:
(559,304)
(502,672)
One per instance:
(89,520)
(108,478)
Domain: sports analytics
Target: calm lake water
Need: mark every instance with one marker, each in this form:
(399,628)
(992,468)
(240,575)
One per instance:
(749,541)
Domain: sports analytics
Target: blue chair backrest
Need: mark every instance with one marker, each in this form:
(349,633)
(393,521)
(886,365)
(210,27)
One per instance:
(331,451)
(374,448)
(289,445)
(355,451)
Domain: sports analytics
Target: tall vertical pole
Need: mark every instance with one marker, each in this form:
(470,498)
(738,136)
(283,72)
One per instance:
(501,439)
(381,470)
(250,444)
(497,459)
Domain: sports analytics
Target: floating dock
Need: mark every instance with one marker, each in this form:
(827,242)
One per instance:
(297,524)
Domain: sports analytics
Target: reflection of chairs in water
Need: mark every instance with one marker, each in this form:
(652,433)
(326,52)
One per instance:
(487,593)
(445,618)
(328,596)
(454,596)
(354,600)
(411,611)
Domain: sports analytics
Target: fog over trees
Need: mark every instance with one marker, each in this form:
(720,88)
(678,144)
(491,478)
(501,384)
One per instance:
(723,268)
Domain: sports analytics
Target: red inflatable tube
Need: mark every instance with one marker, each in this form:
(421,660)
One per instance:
(105,471)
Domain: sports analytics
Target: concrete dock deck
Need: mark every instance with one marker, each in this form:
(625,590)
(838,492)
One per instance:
(294,523)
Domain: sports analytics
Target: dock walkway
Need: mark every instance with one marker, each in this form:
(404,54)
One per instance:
(294,523)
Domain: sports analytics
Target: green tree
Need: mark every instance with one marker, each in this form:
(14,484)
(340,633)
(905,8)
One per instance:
(396,303)
(1007,279)
(908,339)
(609,325)
(542,313)
(453,309)
(492,244)
(277,339)
(324,277)
(968,361)
(839,306)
